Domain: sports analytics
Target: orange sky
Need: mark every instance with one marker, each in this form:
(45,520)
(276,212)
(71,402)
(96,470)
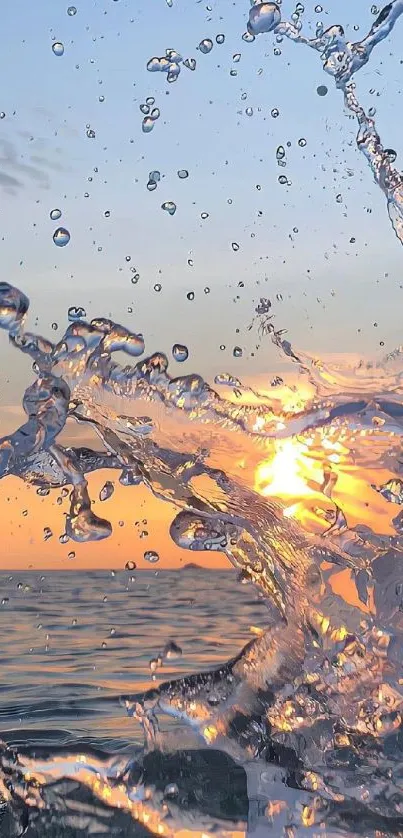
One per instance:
(25,514)
(23,541)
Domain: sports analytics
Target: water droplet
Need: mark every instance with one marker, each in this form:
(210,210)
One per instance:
(283,180)
(147,124)
(130,565)
(58,48)
(263,17)
(190,63)
(61,237)
(183,173)
(237,352)
(76,313)
(157,286)
(90,133)
(235,246)
(275,113)
(2,115)
(205,46)
(204,215)
(151,556)
(180,352)
(236,57)
(107,491)
(71,11)
(169,206)
(190,295)
(47,533)
(220,39)
(302,142)
(391,154)
(280,153)
(207,290)
(249,111)
(71,555)
(55,214)
(318,10)
(322,90)
(171,651)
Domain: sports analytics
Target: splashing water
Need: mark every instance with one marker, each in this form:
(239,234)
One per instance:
(312,707)
(322,682)
(341,59)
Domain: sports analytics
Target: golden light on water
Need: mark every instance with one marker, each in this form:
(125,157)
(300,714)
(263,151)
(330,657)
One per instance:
(286,474)
(315,475)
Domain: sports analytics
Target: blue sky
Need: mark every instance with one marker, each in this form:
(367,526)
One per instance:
(330,286)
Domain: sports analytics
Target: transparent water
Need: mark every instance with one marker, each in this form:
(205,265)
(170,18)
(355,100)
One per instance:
(296,483)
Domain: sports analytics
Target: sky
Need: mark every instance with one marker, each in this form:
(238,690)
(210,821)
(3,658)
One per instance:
(321,249)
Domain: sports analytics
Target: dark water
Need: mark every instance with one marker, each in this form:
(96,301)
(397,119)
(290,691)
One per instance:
(72,643)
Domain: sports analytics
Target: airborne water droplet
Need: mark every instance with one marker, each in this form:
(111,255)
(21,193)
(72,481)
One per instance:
(58,48)
(71,11)
(263,17)
(206,45)
(180,352)
(237,352)
(322,90)
(130,565)
(169,206)
(183,173)
(220,39)
(55,214)
(61,237)
(147,124)
(76,313)
(190,63)
(107,491)
(151,556)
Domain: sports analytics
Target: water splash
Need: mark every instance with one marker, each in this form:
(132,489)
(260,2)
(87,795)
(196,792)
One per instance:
(314,702)
(342,60)
(323,680)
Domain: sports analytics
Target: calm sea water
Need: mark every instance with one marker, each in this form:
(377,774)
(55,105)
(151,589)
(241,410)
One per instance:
(72,643)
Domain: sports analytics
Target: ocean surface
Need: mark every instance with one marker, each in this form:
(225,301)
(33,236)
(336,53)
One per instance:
(72,643)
